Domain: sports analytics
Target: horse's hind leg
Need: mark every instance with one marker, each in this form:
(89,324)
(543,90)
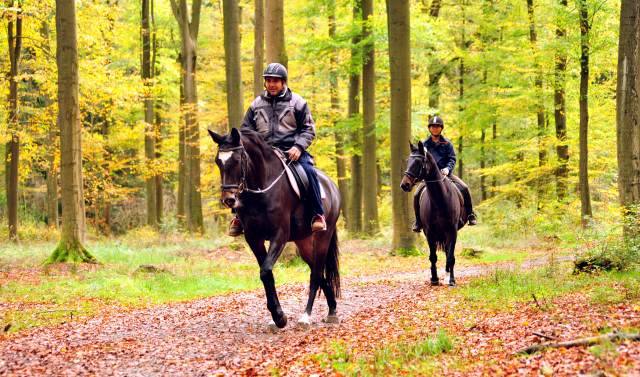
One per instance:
(316,257)
(451,260)
(433,257)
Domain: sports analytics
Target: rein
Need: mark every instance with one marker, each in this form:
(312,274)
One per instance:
(416,178)
(242,185)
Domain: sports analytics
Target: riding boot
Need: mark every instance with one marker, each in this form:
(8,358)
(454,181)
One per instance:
(417,225)
(472,217)
(235,228)
(318,224)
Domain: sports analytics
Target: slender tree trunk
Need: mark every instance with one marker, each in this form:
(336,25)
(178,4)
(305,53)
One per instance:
(189,35)
(182,157)
(369,139)
(560,113)
(52,171)
(158,126)
(341,163)
(258,47)
(542,149)
(628,108)
(355,202)
(233,62)
(149,136)
(460,139)
(71,246)
(274,32)
(399,25)
(494,183)
(483,165)
(13,146)
(585,197)
(435,68)
(106,217)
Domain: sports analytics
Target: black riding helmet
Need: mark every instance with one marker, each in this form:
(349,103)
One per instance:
(436,120)
(275,70)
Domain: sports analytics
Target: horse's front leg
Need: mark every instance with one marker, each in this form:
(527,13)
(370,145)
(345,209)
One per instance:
(276,246)
(451,258)
(433,257)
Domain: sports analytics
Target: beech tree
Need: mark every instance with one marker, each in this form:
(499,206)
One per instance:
(274,32)
(235,105)
(74,225)
(585,196)
(258,47)
(353,108)
(628,106)
(150,132)
(369,139)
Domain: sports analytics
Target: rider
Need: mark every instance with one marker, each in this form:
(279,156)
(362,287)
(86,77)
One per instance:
(284,121)
(442,151)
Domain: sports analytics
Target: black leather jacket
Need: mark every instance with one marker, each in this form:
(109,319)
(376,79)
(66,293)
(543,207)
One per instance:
(283,121)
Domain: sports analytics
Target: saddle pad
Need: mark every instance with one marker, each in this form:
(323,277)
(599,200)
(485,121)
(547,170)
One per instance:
(459,192)
(292,179)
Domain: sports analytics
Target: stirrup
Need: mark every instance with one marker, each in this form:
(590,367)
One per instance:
(472,219)
(318,224)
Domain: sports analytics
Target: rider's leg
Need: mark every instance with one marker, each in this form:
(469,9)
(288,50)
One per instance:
(235,228)
(417,225)
(468,204)
(318,223)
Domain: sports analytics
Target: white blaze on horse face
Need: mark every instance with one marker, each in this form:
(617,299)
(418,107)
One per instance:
(224,156)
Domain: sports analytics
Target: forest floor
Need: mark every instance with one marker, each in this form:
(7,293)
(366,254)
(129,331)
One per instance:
(392,322)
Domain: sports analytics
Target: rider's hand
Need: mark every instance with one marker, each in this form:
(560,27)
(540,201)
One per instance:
(294,153)
(445,171)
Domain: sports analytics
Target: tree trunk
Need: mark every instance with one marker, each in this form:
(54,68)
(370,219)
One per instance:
(542,149)
(369,139)
(355,202)
(149,139)
(400,120)
(494,182)
(341,163)
(560,113)
(460,139)
(106,217)
(435,68)
(258,47)
(52,171)
(189,38)
(182,157)
(483,165)
(13,146)
(233,62)
(274,33)
(585,197)
(158,127)
(628,108)
(71,243)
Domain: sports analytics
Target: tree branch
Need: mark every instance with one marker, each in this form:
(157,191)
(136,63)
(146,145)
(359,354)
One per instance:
(195,20)
(580,342)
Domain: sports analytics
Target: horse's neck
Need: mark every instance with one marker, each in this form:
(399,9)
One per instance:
(435,183)
(262,169)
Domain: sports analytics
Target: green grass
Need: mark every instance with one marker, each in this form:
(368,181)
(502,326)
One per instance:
(404,357)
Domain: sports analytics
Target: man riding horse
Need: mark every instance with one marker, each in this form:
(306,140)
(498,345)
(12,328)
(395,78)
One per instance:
(442,151)
(284,121)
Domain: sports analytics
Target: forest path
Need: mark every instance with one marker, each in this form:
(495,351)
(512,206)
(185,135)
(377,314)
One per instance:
(219,334)
(224,335)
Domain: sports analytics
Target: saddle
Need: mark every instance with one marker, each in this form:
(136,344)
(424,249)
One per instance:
(456,186)
(297,176)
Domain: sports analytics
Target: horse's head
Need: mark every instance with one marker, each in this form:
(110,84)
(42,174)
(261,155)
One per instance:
(232,162)
(417,168)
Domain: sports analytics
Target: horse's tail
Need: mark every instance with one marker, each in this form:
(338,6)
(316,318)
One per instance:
(332,265)
(441,242)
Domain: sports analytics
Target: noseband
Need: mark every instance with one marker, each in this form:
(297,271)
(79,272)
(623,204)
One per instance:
(241,186)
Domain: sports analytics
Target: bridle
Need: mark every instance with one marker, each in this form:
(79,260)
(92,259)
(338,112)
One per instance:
(416,178)
(241,186)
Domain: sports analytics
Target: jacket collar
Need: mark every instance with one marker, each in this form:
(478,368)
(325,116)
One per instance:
(284,95)
(441,141)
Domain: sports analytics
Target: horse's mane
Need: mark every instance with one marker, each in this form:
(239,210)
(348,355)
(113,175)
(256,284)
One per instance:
(257,141)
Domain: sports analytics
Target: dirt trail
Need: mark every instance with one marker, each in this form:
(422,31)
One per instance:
(224,335)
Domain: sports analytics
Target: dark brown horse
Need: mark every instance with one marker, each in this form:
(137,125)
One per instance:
(254,183)
(440,208)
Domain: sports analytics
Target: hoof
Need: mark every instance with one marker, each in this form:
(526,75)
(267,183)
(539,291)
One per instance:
(435,283)
(332,319)
(272,328)
(282,322)
(452,286)
(304,323)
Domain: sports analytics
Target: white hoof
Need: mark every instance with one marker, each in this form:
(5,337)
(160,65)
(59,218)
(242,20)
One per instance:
(304,323)
(332,319)
(272,328)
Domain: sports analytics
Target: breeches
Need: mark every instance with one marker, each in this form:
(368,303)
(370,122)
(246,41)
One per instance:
(306,161)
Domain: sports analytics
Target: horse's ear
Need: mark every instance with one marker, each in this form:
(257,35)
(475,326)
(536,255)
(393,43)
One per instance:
(235,136)
(411,146)
(216,138)
(421,148)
